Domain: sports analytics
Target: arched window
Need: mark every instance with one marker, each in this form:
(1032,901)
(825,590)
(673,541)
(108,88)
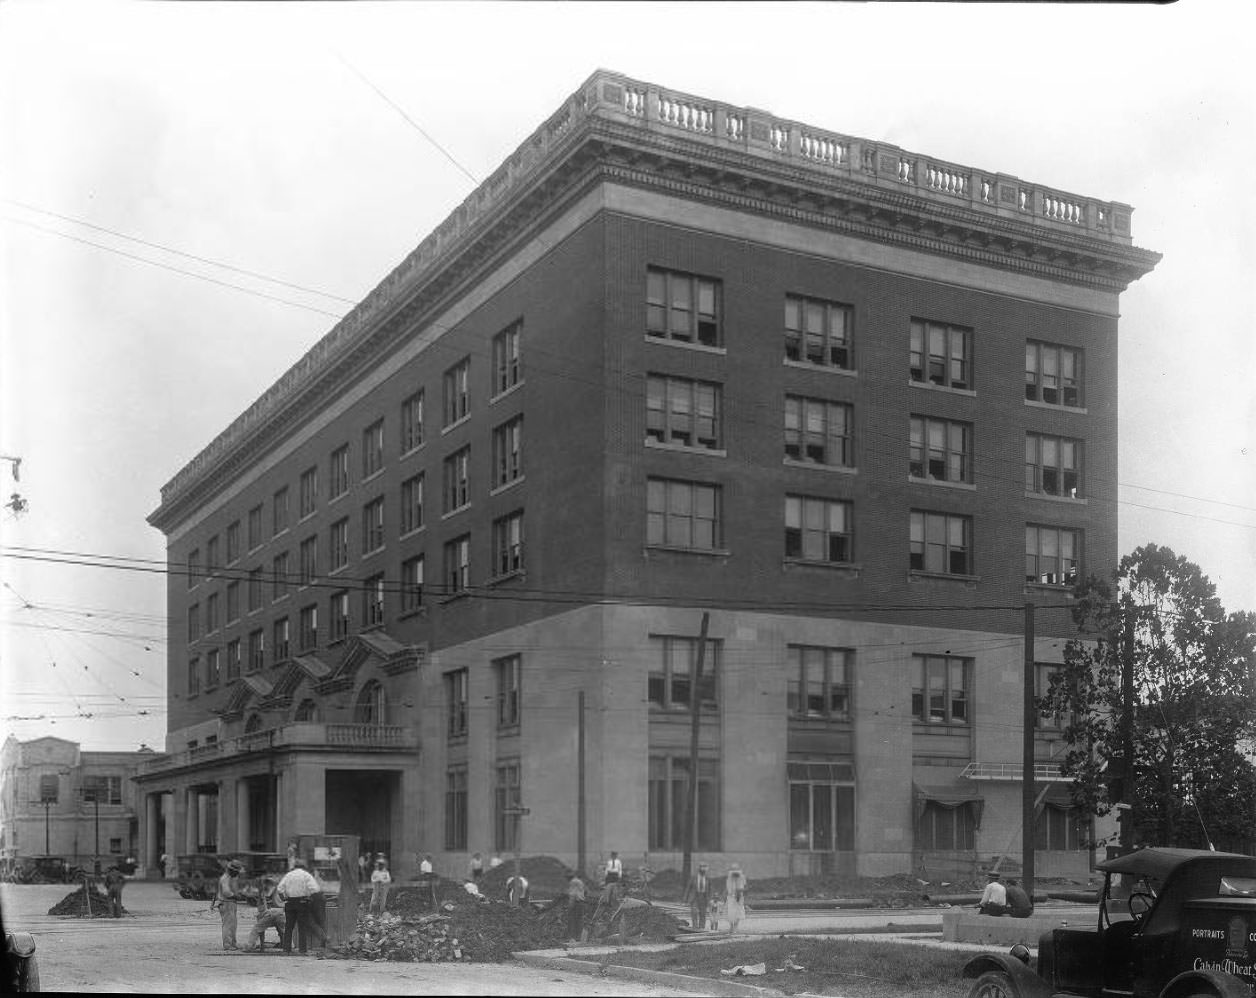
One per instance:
(253,724)
(371,706)
(307,710)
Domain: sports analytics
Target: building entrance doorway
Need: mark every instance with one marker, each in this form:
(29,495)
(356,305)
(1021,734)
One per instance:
(361,802)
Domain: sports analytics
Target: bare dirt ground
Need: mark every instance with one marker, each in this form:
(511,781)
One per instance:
(165,944)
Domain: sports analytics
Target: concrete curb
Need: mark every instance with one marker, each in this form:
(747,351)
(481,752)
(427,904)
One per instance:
(552,960)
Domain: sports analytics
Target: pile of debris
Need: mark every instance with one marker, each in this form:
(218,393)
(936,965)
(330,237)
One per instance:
(411,940)
(546,877)
(82,904)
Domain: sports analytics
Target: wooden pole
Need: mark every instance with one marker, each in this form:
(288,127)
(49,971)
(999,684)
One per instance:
(1030,718)
(581,854)
(695,707)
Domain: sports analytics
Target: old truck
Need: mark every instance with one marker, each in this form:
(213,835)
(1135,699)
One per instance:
(1172,923)
(199,872)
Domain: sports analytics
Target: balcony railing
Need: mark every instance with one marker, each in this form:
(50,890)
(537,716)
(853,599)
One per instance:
(1044,772)
(297,735)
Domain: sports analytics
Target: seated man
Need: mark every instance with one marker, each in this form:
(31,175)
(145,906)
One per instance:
(1018,901)
(270,915)
(994,897)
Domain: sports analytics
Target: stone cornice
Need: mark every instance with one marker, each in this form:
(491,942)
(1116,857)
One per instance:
(621,131)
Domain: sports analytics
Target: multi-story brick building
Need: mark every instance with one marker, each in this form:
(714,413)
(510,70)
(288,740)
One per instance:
(673,359)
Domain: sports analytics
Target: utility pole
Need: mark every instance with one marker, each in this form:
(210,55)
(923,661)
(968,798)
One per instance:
(581,856)
(1127,723)
(695,701)
(1027,758)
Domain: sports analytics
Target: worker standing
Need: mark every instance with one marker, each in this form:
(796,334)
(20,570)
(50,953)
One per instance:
(614,877)
(227,898)
(115,880)
(297,889)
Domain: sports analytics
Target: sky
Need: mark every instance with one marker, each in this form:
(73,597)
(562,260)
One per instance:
(192,194)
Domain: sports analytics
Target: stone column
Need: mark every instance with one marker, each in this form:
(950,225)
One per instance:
(193,823)
(242,814)
(148,841)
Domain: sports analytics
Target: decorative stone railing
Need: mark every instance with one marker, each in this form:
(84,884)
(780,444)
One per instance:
(644,106)
(298,734)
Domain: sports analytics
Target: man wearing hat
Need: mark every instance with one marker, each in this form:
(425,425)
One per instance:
(698,894)
(227,897)
(994,897)
(270,915)
(297,889)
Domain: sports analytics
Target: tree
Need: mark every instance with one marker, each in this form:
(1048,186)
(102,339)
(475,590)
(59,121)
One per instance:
(1190,783)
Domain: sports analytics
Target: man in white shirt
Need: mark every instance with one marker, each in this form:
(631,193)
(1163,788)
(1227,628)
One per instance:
(614,875)
(297,889)
(994,897)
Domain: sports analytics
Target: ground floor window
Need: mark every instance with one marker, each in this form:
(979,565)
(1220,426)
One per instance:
(669,799)
(821,806)
(1061,828)
(945,827)
(456,809)
(506,800)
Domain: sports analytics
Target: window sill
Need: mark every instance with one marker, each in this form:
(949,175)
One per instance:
(653,444)
(506,393)
(337,570)
(918,575)
(965,486)
(806,365)
(497,580)
(849,569)
(412,532)
(670,549)
(405,455)
(336,642)
(506,486)
(450,427)
(1065,590)
(418,611)
(820,720)
(947,389)
(1047,497)
(374,551)
(686,345)
(332,500)
(459,739)
(372,476)
(1081,410)
(836,469)
(455,511)
(372,627)
(508,730)
(279,599)
(307,516)
(918,724)
(454,597)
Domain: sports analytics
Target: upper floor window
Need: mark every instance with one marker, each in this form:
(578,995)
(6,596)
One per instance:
(255,527)
(412,422)
(819,432)
(233,659)
(818,332)
(255,588)
(194,622)
(941,543)
(233,542)
(508,543)
(506,358)
(194,567)
(682,411)
(308,560)
(818,529)
(338,472)
(412,584)
(457,469)
(1053,374)
(338,617)
(940,689)
(194,676)
(508,452)
(412,504)
(457,564)
(338,544)
(257,650)
(940,450)
(683,307)
(373,525)
(941,354)
(819,683)
(1043,674)
(102,788)
(506,672)
(1053,465)
(307,710)
(279,511)
(457,703)
(1052,555)
(212,564)
(211,613)
(281,645)
(670,682)
(373,601)
(279,575)
(457,385)
(213,668)
(309,627)
(308,492)
(373,448)
(233,601)
(683,514)
(371,706)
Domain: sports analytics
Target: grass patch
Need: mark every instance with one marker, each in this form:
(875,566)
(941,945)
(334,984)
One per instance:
(852,968)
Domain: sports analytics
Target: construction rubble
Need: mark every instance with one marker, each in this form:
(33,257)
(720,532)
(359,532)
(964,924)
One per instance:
(82,904)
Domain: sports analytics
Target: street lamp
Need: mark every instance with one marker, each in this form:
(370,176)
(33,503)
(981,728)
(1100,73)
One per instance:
(93,794)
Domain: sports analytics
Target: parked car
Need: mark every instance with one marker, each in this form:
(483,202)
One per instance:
(1172,923)
(199,872)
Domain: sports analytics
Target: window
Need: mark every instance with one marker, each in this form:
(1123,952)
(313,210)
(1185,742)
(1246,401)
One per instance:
(309,627)
(818,332)
(255,588)
(257,650)
(669,801)
(508,544)
(308,492)
(373,449)
(412,504)
(233,659)
(213,668)
(373,525)
(507,673)
(211,613)
(940,543)
(683,514)
(940,450)
(412,584)
(683,412)
(1043,674)
(941,354)
(819,683)
(819,432)
(371,706)
(339,615)
(457,385)
(457,565)
(939,692)
(506,797)
(338,544)
(233,542)
(456,808)
(281,647)
(103,789)
(506,358)
(456,703)
(255,527)
(946,827)
(682,307)
(373,601)
(49,788)
(194,567)
(669,685)
(279,576)
(1060,828)
(233,602)
(212,564)
(457,480)
(1051,555)
(1053,374)
(821,806)
(194,676)
(1053,465)
(307,710)
(411,422)
(308,555)
(279,512)
(338,472)
(818,529)
(194,622)
(508,452)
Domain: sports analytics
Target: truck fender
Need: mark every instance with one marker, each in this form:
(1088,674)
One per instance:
(1029,984)
(21,944)
(1208,982)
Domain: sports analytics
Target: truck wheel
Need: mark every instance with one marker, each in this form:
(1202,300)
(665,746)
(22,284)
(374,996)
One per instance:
(994,984)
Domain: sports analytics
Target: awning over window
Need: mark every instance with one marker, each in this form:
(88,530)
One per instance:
(1058,796)
(948,795)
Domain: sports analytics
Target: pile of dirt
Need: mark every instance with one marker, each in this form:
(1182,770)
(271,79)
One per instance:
(79,904)
(546,877)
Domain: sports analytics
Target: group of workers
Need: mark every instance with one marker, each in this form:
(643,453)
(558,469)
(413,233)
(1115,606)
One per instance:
(293,905)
